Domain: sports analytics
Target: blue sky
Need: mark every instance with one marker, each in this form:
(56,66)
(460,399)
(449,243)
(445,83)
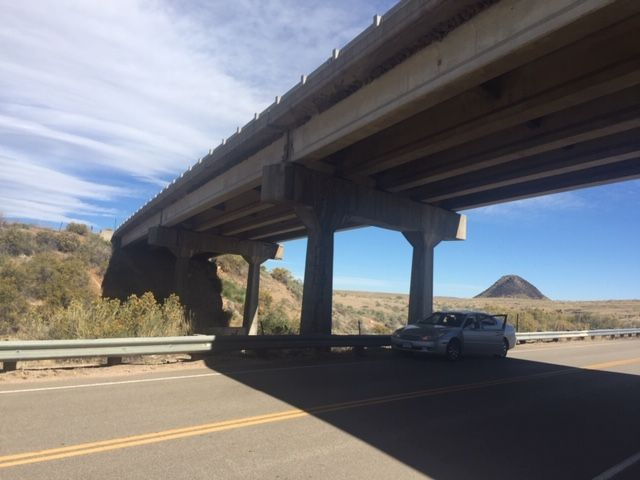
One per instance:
(103,103)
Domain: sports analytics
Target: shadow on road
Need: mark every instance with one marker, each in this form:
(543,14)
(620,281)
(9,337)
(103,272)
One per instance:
(478,418)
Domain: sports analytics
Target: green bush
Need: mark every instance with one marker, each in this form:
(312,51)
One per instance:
(107,318)
(233,264)
(67,242)
(96,252)
(285,277)
(16,241)
(56,281)
(13,304)
(232,291)
(79,228)
(274,320)
(46,240)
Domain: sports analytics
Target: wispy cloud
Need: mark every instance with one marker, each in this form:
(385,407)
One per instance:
(531,207)
(32,191)
(141,89)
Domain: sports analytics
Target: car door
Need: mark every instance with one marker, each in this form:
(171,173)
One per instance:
(492,334)
(472,336)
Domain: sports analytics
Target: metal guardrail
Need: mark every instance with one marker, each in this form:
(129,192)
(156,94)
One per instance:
(115,348)
(613,332)
(21,350)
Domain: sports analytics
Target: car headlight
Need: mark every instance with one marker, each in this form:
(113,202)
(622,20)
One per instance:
(429,338)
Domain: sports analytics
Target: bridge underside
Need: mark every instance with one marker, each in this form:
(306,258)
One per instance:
(462,123)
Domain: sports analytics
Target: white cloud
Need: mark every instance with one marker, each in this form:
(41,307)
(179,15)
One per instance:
(32,191)
(142,88)
(531,207)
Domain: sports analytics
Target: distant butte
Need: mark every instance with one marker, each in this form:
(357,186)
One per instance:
(512,286)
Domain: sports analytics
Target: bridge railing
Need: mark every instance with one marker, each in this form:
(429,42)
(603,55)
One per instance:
(116,348)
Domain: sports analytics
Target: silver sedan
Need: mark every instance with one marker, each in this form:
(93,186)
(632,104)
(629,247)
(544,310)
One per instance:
(455,333)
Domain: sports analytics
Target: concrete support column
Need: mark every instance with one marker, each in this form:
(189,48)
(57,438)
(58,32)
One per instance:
(421,290)
(317,295)
(181,273)
(252,296)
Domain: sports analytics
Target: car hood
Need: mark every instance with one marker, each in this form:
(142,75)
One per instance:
(426,329)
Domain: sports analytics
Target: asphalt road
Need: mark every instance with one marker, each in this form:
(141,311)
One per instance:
(567,411)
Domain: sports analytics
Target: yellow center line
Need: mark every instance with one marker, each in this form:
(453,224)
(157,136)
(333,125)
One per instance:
(177,433)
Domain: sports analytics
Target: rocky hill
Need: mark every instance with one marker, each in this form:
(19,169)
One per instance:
(512,286)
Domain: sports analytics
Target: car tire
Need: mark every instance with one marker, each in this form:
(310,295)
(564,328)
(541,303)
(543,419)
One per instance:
(454,350)
(505,348)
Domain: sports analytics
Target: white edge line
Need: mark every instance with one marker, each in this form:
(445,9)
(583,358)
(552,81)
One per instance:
(616,469)
(176,377)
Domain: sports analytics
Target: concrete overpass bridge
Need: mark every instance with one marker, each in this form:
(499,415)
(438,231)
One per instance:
(438,106)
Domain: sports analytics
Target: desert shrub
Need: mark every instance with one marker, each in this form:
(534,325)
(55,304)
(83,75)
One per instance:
(13,304)
(108,318)
(274,320)
(67,242)
(79,228)
(233,264)
(46,240)
(55,281)
(285,277)
(95,252)
(16,241)
(232,291)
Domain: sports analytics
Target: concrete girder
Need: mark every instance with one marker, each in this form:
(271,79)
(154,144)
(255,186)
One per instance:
(499,39)
(275,215)
(239,179)
(600,175)
(197,243)
(599,118)
(231,216)
(300,187)
(285,228)
(606,151)
(528,93)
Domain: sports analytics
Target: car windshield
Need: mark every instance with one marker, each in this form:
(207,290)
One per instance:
(445,319)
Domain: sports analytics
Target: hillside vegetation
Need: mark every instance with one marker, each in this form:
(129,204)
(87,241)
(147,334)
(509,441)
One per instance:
(50,288)
(50,284)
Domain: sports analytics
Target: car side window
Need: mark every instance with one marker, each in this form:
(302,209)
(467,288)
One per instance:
(488,322)
(471,323)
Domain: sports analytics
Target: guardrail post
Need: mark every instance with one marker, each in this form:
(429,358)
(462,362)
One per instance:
(9,366)
(111,361)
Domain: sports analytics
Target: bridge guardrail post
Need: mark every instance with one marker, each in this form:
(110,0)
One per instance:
(9,366)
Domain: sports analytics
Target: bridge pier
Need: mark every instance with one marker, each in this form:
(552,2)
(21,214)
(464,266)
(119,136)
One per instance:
(421,289)
(317,293)
(252,295)
(140,268)
(325,204)
(186,244)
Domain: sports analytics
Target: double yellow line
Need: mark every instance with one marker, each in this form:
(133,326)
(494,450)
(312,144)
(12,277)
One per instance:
(177,433)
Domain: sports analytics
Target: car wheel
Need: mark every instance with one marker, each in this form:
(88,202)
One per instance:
(505,348)
(454,350)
